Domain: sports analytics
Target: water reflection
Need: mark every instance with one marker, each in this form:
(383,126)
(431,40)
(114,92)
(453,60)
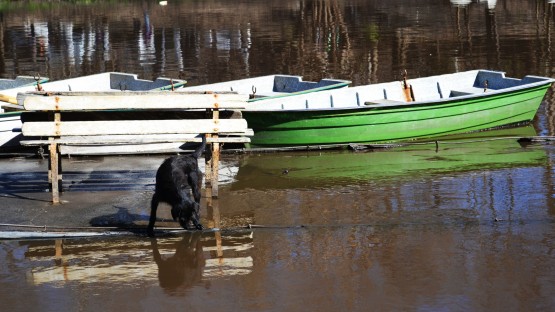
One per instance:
(469,227)
(184,268)
(177,263)
(363,41)
(454,154)
(463,3)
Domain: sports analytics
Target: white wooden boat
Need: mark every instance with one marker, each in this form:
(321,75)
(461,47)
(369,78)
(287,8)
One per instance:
(260,90)
(10,120)
(19,82)
(271,86)
(10,123)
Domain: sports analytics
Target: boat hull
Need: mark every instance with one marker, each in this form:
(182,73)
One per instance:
(394,123)
(10,131)
(10,122)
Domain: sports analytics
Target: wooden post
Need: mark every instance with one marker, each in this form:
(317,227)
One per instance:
(53,174)
(208,167)
(215,155)
(215,167)
(55,163)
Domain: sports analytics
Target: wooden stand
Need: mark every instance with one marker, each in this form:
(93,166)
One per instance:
(125,131)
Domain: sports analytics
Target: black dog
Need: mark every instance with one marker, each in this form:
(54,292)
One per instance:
(172,179)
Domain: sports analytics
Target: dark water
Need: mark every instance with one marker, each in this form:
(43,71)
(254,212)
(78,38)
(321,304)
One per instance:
(466,227)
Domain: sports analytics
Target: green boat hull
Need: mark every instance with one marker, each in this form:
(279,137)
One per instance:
(394,123)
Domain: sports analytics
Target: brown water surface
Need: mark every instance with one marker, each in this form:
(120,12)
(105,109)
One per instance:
(466,227)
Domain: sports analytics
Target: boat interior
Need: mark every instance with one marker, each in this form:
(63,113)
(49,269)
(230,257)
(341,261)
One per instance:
(428,89)
(271,85)
(103,81)
(20,81)
(122,81)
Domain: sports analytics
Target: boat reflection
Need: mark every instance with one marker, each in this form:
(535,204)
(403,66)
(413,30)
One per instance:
(463,3)
(461,153)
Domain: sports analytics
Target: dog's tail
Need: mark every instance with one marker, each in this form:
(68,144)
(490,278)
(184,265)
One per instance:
(201,148)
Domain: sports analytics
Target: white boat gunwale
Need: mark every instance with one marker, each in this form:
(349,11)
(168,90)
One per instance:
(393,104)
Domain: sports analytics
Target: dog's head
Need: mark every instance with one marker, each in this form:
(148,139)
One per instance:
(189,213)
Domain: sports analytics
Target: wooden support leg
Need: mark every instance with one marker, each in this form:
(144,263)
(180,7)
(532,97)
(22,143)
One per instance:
(215,161)
(60,178)
(215,167)
(55,163)
(53,158)
(208,166)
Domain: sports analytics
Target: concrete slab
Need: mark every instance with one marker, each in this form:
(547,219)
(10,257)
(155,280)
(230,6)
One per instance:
(100,193)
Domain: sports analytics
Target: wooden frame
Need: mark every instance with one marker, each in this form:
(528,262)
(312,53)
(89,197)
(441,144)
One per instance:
(102,132)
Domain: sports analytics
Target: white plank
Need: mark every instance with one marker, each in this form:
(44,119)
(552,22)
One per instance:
(9,105)
(133,139)
(75,101)
(116,127)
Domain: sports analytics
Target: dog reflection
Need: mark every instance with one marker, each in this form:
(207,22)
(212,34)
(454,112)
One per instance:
(184,269)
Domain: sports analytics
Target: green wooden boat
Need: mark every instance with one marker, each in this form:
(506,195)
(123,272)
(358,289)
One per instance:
(421,108)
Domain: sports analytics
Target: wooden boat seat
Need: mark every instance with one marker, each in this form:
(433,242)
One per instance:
(383,102)
(466,91)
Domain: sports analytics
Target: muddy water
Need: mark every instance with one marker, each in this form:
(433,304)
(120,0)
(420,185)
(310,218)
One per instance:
(466,226)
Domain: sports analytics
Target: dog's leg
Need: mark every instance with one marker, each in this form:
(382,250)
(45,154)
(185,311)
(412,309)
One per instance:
(152,220)
(196,217)
(182,215)
(195,180)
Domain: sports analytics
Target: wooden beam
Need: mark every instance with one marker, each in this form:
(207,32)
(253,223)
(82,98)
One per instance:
(10,104)
(132,140)
(86,101)
(133,127)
